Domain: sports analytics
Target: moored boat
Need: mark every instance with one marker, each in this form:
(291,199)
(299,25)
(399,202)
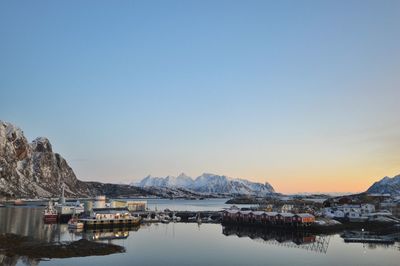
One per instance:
(110,217)
(175,218)
(74,223)
(50,215)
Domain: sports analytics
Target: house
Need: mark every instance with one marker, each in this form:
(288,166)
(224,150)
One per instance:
(349,210)
(267,218)
(287,207)
(303,218)
(284,217)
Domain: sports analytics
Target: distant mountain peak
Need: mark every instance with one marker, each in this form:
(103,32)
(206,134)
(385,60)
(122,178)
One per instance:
(389,185)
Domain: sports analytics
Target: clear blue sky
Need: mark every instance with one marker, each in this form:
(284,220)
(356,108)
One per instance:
(303,94)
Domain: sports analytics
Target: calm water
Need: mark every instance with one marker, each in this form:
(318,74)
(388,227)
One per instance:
(192,244)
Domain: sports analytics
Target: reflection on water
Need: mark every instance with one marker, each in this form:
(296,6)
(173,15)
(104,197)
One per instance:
(27,221)
(191,244)
(289,239)
(105,234)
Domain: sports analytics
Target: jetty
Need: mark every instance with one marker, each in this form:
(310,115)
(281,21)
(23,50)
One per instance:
(366,237)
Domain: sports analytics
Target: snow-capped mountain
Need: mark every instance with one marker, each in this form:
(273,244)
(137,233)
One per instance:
(209,184)
(387,184)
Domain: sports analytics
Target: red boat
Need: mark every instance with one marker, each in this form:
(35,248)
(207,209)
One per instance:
(50,214)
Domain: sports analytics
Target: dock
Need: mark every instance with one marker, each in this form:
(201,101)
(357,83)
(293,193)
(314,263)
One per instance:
(365,237)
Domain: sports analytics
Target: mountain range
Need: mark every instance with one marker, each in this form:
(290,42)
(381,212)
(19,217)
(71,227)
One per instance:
(33,170)
(209,184)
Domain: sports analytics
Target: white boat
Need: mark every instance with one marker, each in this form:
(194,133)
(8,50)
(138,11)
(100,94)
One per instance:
(156,219)
(175,218)
(148,219)
(165,219)
(207,219)
(196,218)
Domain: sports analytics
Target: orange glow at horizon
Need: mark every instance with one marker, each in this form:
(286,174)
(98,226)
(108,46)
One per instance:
(352,181)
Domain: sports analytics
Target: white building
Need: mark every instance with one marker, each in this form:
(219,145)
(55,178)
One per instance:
(350,211)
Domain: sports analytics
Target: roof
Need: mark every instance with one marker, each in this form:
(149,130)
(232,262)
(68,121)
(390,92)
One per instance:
(110,210)
(232,211)
(258,212)
(245,212)
(271,213)
(305,215)
(286,214)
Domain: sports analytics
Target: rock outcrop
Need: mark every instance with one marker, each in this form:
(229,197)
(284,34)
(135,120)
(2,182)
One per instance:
(30,170)
(33,170)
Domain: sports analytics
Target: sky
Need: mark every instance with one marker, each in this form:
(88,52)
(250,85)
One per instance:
(301,94)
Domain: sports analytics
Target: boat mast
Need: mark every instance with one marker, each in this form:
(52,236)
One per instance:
(62,193)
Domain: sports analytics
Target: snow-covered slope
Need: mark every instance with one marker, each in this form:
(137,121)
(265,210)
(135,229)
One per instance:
(209,183)
(387,184)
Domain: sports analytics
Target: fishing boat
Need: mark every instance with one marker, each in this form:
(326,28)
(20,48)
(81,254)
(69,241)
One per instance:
(66,209)
(148,219)
(207,219)
(50,214)
(74,223)
(165,219)
(175,218)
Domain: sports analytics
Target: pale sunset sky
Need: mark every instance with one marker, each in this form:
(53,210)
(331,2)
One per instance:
(302,94)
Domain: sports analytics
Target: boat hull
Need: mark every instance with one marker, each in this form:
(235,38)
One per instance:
(93,223)
(51,218)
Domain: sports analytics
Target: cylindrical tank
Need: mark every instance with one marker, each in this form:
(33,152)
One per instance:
(88,206)
(100,202)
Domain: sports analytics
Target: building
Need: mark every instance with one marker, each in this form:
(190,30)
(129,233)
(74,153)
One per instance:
(350,211)
(132,206)
(268,218)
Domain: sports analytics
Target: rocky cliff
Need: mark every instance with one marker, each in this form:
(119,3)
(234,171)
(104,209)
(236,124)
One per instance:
(33,169)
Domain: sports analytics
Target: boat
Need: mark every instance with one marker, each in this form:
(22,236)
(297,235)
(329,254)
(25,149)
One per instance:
(175,218)
(18,202)
(110,217)
(165,219)
(50,214)
(148,219)
(196,218)
(207,219)
(67,209)
(74,223)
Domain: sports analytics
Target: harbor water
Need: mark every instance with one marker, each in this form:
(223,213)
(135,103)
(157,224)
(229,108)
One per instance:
(193,244)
